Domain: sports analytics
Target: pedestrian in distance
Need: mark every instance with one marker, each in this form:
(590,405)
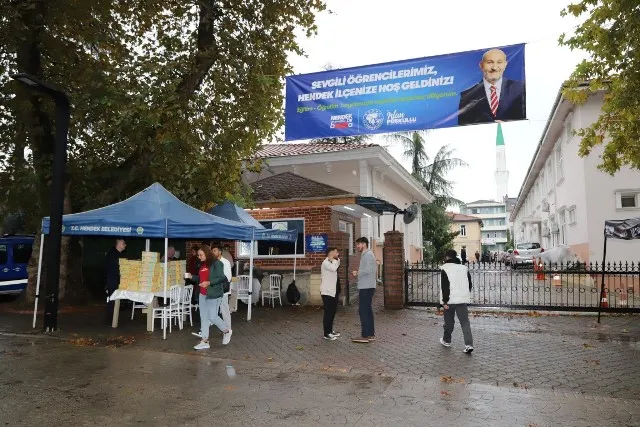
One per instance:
(455,294)
(225,312)
(329,292)
(366,275)
(211,280)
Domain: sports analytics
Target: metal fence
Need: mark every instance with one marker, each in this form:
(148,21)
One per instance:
(570,287)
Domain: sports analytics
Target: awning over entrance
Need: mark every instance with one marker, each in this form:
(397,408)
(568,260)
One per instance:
(376,205)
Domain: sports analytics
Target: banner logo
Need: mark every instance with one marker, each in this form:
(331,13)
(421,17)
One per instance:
(342,121)
(397,118)
(372,119)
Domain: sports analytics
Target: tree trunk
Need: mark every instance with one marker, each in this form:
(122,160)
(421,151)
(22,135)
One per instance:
(71,289)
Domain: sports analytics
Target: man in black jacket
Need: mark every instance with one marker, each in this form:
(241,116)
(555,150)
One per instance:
(112,275)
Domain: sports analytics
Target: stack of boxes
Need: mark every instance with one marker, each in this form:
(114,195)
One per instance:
(147,275)
(148,271)
(175,275)
(129,275)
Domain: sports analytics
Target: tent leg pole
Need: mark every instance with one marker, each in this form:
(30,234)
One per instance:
(147,245)
(250,302)
(604,259)
(295,258)
(166,264)
(35,307)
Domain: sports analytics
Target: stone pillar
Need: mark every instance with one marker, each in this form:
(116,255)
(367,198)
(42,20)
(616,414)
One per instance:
(393,267)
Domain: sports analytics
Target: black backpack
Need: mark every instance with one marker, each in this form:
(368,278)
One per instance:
(293,294)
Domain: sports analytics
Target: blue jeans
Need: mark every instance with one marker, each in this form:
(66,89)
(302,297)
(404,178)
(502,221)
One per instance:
(209,315)
(366,312)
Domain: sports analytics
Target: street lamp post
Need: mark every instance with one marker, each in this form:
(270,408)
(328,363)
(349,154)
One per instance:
(57,195)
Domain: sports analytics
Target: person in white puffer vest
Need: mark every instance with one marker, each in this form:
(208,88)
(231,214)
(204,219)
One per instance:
(455,294)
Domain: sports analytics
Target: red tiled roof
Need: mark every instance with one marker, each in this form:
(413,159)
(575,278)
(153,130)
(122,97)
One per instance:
(456,217)
(284,150)
(289,186)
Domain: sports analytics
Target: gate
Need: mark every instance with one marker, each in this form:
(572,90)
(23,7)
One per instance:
(557,287)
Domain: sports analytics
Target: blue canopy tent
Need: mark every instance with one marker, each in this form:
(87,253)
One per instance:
(231,211)
(152,213)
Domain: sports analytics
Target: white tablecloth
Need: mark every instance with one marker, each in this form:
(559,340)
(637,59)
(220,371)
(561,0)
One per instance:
(143,297)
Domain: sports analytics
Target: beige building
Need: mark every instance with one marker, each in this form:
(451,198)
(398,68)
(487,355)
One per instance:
(469,229)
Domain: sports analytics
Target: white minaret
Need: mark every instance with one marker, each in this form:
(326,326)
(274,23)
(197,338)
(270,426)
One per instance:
(501,174)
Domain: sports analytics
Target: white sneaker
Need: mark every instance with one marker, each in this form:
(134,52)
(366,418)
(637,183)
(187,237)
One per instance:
(197,334)
(330,337)
(202,346)
(444,343)
(468,349)
(226,338)
(335,334)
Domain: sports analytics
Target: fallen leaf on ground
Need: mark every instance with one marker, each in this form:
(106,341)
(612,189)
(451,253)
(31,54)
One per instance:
(229,388)
(270,359)
(585,345)
(299,347)
(446,393)
(83,342)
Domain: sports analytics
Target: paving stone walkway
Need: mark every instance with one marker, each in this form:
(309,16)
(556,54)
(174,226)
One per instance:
(527,370)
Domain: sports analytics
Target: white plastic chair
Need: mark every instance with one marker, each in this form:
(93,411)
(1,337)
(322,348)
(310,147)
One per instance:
(275,282)
(170,312)
(187,305)
(243,290)
(137,305)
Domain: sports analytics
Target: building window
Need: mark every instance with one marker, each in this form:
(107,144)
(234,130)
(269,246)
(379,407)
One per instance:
(348,227)
(21,253)
(267,249)
(572,216)
(563,227)
(568,127)
(559,164)
(628,199)
(463,230)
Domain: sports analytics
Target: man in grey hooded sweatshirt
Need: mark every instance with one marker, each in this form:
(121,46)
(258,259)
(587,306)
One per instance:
(366,275)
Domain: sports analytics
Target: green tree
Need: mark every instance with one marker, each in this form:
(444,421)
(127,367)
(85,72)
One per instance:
(170,91)
(437,232)
(432,174)
(610,33)
(510,244)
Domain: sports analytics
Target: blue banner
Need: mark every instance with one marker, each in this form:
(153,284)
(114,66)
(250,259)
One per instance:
(316,243)
(480,86)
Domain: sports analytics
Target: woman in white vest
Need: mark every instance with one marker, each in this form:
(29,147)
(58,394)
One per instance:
(455,294)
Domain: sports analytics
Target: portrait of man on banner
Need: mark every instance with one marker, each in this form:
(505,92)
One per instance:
(494,98)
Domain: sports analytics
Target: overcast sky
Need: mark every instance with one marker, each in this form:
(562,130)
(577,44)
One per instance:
(361,32)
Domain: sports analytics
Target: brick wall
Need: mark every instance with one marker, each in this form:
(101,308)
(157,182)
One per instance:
(393,270)
(317,220)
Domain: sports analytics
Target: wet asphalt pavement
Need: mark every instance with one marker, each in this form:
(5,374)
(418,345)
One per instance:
(526,371)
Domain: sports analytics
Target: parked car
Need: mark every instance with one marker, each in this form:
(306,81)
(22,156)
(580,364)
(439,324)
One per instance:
(523,254)
(15,252)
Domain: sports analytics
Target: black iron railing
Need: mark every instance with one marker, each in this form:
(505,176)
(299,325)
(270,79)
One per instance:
(571,287)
